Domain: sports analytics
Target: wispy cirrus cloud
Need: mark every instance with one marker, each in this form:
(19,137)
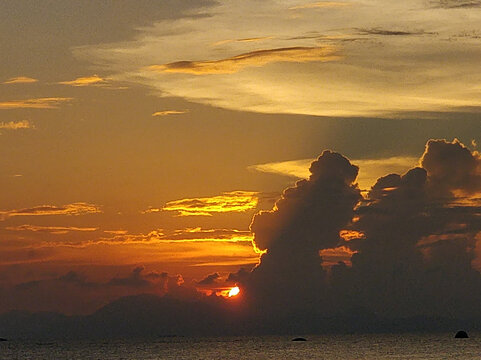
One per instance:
(245,40)
(16,125)
(456,4)
(37,103)
(169,112)
(407,63)
(391,32)
(234,201)
(57,230)
(79,208)
(251,59)
(20,80)
(211,235)
(93,80)
(321,4)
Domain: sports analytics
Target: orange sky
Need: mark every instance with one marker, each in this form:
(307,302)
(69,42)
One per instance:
(147,135)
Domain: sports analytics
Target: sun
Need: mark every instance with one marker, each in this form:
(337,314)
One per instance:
(234,291)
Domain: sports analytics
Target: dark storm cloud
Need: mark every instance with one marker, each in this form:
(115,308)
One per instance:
(307,218)
(452,166)
(238,277)
(415,258)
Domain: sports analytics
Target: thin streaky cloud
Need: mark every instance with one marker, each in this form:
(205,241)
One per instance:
(116,232)
(93,80)
(234,201)
(251,59)
(169,112)
(38,103)
(456,4)
(79,208)
(16,125)
(245,40)
(387,32)
(20,80)
(321,4)
(196,235)
(51,229)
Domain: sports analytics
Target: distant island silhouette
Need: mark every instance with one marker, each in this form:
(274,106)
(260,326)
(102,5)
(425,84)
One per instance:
(151,316)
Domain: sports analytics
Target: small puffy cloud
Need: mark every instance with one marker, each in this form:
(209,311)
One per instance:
(234,201)
(42,210)
(321,4)
(238,277)
(20,80)
(169,112)
(37,103)
(336,255)
(16,125)
(93,80)
(209,280)
(255,58)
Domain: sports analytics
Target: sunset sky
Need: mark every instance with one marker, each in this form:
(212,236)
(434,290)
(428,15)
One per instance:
(138,139)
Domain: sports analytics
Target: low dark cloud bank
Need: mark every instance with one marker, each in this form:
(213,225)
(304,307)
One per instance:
(416,243)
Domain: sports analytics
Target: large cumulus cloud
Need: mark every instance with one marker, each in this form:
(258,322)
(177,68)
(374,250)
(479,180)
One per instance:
(307,219)
(418,249)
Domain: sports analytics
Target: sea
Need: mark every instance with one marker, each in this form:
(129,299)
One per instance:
(335,347)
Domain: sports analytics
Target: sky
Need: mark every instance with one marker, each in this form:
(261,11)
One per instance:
(311,153)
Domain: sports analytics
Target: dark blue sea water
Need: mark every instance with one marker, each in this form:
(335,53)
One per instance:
(387,346)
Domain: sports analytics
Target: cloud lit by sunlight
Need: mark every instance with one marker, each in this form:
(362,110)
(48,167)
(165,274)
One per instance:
(234,201)
(20,80)
(85,81)
(364,81)
(58,230)
(321,4)
(169,112)
(370,169)
(69,209)
(38,103)
(16,125)
(332,256)
(255,58)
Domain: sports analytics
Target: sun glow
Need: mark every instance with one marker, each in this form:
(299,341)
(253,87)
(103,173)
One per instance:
(234,291)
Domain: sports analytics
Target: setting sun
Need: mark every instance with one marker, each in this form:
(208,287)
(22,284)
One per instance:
(234,291)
